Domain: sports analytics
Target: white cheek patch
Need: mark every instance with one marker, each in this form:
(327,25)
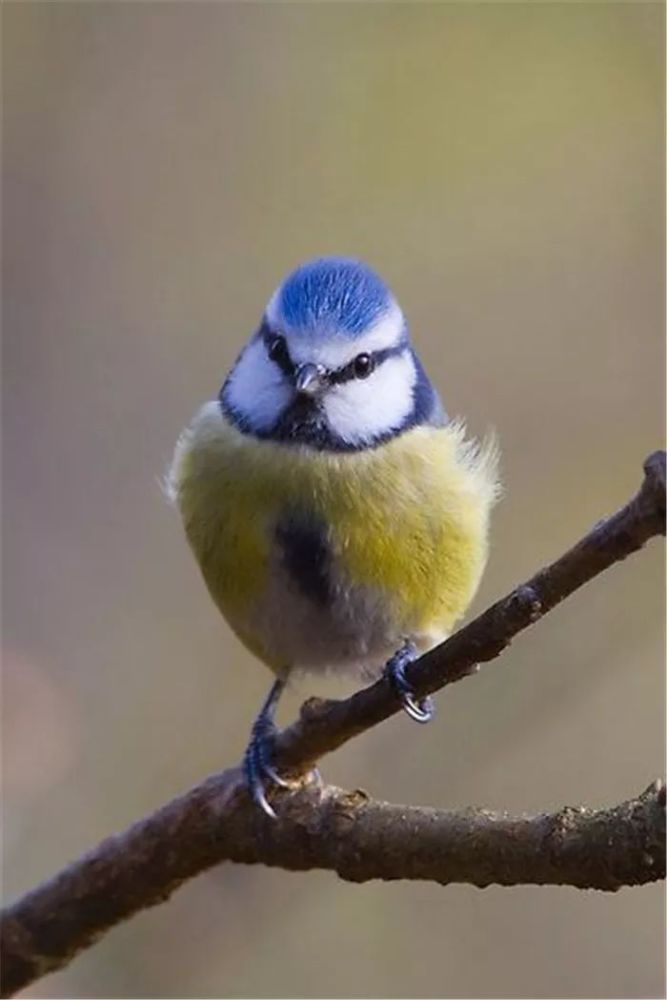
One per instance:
(256,388)
(363,409)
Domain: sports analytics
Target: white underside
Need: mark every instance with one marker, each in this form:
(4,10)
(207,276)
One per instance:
(355,632)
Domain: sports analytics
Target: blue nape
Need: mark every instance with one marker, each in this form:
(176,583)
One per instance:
(339,294)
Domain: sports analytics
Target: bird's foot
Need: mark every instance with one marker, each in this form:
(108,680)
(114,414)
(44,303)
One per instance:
(259,770)
(258,767)
(422,710)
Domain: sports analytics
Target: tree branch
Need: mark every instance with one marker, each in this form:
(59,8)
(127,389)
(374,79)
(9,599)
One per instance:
(345,831)
(324,726)
(328,828)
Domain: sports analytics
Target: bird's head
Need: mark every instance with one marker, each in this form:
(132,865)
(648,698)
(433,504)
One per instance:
(331,365)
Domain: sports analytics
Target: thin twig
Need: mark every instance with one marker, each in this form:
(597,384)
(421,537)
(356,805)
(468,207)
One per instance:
(345,831)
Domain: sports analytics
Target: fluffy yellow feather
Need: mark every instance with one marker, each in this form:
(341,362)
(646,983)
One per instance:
(406,522)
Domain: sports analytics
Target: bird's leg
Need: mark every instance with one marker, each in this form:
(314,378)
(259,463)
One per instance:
(420,711)
(257,759)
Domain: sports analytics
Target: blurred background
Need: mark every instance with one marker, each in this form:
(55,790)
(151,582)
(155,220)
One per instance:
(164,166)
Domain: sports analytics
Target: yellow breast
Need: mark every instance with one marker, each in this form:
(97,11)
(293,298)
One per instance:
(406,527)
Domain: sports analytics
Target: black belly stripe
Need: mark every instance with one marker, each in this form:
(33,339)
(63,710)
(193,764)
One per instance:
(306,556)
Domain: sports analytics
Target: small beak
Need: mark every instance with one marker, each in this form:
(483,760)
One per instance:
(309,379)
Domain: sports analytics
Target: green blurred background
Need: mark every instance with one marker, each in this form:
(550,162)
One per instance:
(165,165)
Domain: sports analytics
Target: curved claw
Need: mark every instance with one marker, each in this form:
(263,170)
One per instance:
(292,783)
(421,711)
(254,770)
(260,799)
(257,770)
(276,778)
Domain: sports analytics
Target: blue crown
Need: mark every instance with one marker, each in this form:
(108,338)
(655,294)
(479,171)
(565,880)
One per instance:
(343,294)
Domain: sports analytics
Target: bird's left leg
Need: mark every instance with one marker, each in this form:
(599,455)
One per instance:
(422,710)
(257,759)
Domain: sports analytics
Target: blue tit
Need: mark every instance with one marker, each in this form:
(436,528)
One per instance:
(339,518)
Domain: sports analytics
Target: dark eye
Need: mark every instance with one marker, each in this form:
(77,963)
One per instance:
(363,365)
(277,349)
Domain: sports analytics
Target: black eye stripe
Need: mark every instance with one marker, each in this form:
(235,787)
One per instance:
(349,372)
(337,376)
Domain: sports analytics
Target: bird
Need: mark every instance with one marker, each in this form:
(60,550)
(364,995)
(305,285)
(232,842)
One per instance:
(339,517)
